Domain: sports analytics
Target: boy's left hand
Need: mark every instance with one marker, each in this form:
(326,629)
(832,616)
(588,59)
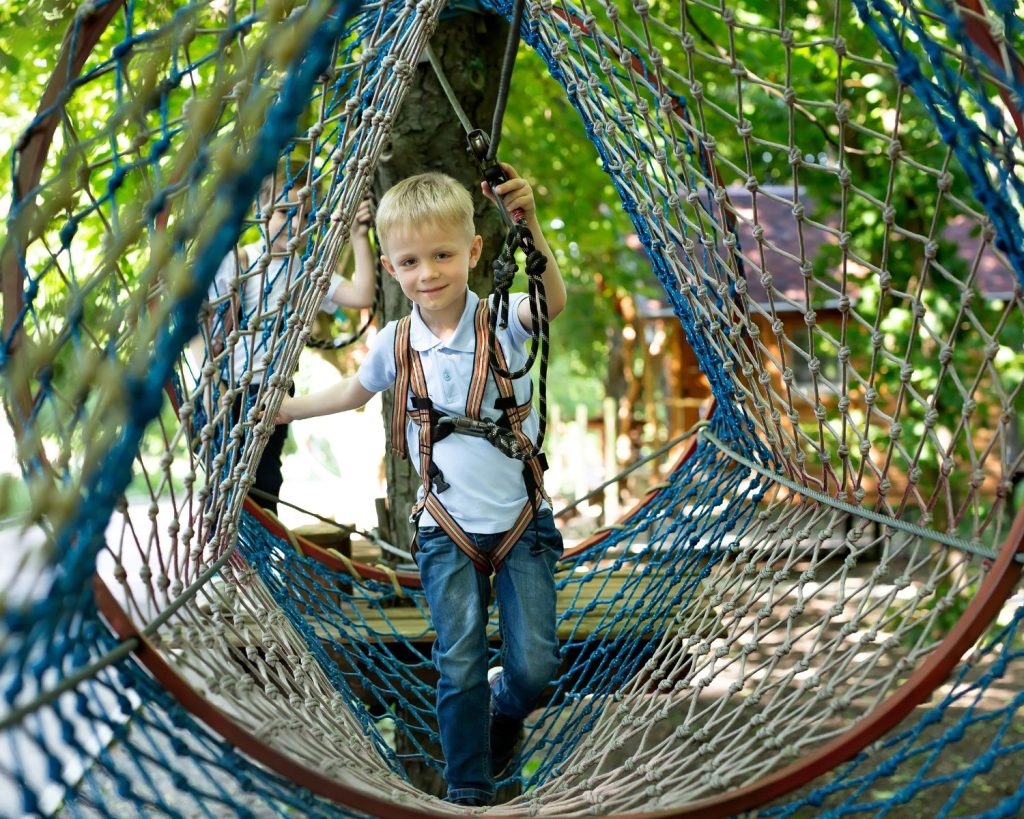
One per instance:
(516,193)
(363,220)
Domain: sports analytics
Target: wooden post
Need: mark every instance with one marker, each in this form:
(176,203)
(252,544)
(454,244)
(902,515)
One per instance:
(580,448)
(611,492)
(556,470)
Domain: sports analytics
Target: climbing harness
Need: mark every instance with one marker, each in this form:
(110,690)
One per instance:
(506,435)
(502,439)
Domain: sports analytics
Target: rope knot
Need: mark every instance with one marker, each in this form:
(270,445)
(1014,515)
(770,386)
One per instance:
(504,274)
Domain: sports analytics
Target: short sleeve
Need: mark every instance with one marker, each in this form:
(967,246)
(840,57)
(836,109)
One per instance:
(226,273)
(517,333)
(377,372)
(328,305)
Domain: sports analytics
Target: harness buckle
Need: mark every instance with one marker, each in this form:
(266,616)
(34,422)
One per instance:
(465,425)
(504,440)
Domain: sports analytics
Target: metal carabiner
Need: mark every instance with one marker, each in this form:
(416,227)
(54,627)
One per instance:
(463,425)
(493,175)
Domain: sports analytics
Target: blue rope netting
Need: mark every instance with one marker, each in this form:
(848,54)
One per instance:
(139,748)
(118,743)
(986,154)
(912,757)
(160,758)
(657,560)
(79,541)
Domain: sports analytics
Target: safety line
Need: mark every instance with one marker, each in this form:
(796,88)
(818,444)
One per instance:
(972,547)
(449,92)
(122,650)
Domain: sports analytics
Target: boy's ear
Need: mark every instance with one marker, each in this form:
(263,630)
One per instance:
(475,249)
(384,260)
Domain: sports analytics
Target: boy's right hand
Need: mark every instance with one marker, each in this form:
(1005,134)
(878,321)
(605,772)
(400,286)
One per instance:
(283,415)
(364,219)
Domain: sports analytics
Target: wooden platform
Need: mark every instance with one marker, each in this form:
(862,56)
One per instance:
(595,605)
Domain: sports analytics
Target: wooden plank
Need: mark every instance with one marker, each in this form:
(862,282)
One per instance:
(595,603)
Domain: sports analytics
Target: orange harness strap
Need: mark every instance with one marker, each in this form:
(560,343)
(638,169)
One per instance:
(410,376)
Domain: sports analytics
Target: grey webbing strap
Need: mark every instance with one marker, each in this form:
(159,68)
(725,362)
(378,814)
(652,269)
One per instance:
(449,92)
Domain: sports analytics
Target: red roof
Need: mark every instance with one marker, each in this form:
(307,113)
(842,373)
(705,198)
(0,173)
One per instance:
(781,231)
(782,250)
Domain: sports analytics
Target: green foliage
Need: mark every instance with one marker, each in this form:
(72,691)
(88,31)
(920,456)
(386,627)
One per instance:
(545,138)
(584,220)
(30,38)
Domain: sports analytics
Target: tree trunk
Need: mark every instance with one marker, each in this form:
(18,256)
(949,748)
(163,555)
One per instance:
(427,136)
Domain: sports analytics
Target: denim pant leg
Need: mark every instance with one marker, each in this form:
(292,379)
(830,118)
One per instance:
(458,596)
(525,586)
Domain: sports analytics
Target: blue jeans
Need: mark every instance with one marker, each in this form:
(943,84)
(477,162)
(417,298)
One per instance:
(458,596)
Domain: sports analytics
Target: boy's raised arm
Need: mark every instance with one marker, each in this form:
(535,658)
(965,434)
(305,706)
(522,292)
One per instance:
(348,394)
(357,292)
(517,194)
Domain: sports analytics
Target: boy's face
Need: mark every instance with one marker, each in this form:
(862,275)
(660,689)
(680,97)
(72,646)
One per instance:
(278,228)
(431,262)
(283,222)
(281,227)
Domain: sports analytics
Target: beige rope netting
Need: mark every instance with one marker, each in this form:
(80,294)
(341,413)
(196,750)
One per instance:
(844,253)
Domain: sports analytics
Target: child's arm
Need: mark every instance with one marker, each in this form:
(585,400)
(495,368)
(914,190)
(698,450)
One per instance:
(517,194)
(358,292)
(348,394)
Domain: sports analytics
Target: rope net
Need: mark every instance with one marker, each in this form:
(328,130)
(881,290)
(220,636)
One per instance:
(837,542)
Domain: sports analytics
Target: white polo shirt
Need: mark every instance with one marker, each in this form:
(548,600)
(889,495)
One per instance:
(486,489)
(259,320)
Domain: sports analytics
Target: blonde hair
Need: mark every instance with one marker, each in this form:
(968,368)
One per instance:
(423,199)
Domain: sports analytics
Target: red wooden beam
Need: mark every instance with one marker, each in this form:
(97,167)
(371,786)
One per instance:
(239,737)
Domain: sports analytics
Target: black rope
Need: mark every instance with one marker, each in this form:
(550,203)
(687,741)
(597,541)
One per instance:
(504,268)
(504,273)
(508,63)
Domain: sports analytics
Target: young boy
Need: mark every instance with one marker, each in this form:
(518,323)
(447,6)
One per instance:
(483,510)
(246,295)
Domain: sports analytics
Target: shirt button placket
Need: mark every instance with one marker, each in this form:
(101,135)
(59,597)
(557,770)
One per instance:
(446,376)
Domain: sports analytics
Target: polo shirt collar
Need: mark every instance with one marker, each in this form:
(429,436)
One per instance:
(464,339)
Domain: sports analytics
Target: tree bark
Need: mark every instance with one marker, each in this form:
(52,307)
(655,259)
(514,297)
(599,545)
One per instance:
(427,136)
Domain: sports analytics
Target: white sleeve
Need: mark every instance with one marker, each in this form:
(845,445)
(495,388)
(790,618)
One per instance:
(517,333)
(378,370)
(328,304)
(226,273)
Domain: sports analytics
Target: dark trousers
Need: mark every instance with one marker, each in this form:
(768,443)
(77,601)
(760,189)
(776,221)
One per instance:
(268,469)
